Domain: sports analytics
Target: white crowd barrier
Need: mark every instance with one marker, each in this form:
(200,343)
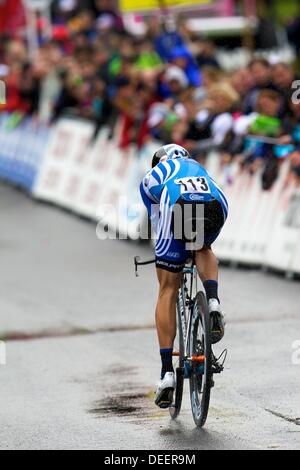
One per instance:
(93,177)
(263,228)
(21,149)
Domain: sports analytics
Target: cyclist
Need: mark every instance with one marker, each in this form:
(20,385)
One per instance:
(178,182)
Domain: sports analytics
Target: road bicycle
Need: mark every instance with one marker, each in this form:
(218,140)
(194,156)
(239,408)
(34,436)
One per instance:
(193,352)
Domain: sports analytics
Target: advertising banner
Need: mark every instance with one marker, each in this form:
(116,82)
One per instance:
(128,6)
(65,163)
(21,150)
(95,178)
(283,246)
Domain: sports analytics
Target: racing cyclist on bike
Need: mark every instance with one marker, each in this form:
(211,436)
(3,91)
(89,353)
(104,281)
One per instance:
(175,181)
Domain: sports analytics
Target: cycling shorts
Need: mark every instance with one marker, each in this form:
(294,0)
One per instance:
(187,227)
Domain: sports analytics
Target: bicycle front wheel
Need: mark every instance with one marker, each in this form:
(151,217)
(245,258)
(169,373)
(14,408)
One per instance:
(201,373)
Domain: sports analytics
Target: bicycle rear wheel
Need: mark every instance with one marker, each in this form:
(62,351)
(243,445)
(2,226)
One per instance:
(181,335)
(201,374)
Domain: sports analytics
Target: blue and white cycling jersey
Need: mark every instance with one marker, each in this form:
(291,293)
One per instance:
(168,182)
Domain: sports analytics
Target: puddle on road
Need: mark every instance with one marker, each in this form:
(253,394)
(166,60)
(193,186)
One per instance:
(127,399)
(131,405)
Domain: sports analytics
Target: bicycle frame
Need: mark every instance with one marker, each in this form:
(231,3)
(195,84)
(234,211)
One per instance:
(186,299)
(197,362)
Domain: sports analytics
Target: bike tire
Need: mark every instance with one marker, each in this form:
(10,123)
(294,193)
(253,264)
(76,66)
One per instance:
(176,407)
(200,344)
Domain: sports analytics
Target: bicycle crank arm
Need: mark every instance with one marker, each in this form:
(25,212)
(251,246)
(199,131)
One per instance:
(200,359)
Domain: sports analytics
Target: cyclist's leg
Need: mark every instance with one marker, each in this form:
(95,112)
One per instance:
(166,329)
(170,260)
(169,266)
(169,284)
(208,268)
(206,261)
(207,264)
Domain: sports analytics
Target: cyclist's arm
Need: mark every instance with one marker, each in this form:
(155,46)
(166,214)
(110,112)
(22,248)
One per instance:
(152,186)
(150,189)
(154,182)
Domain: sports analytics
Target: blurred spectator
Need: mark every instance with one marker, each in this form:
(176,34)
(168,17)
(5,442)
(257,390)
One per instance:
(269,103)
(213,124)
(261,73)
(175,81)
(205,54)
(266,35)
(283,77)
(183,58)
(167,85)
(243,82)
(293,31)
(165,43)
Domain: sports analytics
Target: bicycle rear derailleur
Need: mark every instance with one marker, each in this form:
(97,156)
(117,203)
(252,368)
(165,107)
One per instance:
(218,363)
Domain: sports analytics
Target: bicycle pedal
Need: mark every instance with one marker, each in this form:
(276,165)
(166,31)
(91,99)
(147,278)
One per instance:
(165,399)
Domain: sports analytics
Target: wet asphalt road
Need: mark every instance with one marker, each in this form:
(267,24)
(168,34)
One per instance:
(82,355)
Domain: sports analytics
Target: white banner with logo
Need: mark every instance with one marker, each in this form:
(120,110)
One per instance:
(284,239)
(263,228)
(65,162)
(91,176)
(22,143)
(94,177)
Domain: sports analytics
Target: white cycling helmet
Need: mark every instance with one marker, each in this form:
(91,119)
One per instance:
(169,152)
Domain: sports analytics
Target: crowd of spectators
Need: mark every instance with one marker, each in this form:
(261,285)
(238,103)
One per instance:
(167,85)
